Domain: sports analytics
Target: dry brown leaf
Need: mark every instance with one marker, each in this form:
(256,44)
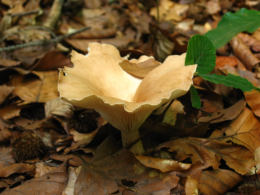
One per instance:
(209,152)
(52,60)
(5,134)
(170,11)
(191,186)
(8,63)
(213,6)
(28,55)
(218,181)
(41,169)
(6,171)
(225,114)
(37,90)
(80,139)
(10,111)
(244,53)
(49,184)
(157,185)
(119,41)
(253,100)
(226,60)
(5,91)
(164,165)
(6,156)
(250,41)
(256,34)
(245,130)
(91,182)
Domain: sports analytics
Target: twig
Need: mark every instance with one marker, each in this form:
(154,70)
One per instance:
(26,13)
(43,42)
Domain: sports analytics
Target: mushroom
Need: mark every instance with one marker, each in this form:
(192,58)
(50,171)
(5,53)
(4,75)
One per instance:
(97,81)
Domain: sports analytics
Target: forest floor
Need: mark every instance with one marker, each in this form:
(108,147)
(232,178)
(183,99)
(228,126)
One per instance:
(53,143)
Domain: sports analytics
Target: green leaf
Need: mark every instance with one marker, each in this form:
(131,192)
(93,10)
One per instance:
(232,24)
(230,80)
(195,98)
(202,52)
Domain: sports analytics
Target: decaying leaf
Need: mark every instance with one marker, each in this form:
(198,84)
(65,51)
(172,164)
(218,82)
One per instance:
(170,11)
(157,185)
(244,53)
(253,100)
(5,134)
(191,186)
(10,111)
(91,182)
(209,152)
(245,130)
(49,184)
(164,165)
(218,181)
(8,170)
(36,90)
(5,91)
(226,114)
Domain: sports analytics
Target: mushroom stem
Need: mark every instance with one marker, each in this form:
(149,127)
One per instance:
(131,139)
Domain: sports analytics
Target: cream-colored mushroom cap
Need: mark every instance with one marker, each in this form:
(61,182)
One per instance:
(97,81)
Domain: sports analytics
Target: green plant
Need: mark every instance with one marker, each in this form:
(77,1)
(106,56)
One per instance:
(202,50)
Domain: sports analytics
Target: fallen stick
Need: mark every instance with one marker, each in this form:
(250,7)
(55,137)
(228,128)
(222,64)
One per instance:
(43,42)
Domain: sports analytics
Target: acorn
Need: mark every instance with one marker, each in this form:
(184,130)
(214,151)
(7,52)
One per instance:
(28,145)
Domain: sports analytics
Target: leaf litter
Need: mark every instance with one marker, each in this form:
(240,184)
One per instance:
(51,146)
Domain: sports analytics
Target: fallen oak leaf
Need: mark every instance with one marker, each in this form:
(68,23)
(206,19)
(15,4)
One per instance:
(244,53)
(49,184)
(6,171)
(209,152)
(218,181)
(91,182)
(5,91)
(226,114)
(36,90)
(245,130)
(253,100)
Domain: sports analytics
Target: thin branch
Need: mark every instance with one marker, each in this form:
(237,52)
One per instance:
(43,42)
(26,13)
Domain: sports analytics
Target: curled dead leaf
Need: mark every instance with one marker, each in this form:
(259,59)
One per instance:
(164,165)
(245,130)
(36,90)
(253,100)
(244,53)
(225,114)
(218,181)
(209,152)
